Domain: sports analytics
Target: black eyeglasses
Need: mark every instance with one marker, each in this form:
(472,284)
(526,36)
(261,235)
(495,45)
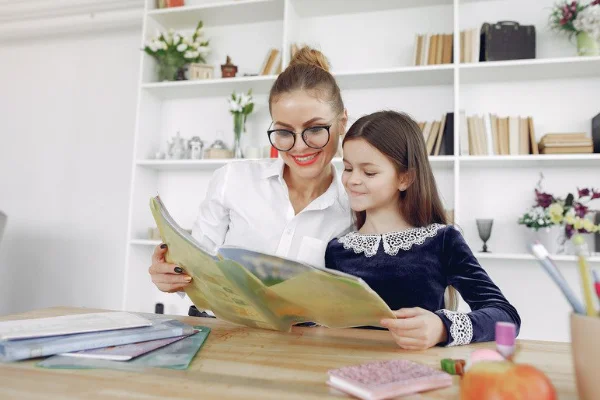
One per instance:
(315,137)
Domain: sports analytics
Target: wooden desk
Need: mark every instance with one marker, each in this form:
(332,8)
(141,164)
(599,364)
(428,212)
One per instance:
(238,362)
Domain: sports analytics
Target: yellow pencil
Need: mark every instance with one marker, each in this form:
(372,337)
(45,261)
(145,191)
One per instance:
(584,271)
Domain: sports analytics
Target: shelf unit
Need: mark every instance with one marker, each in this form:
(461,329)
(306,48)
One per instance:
(474,186)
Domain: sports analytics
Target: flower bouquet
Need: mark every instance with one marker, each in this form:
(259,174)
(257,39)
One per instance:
(173,51)
(240,106)
(570,214)
(581,20)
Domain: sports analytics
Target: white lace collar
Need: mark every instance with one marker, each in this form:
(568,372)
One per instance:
(392,242)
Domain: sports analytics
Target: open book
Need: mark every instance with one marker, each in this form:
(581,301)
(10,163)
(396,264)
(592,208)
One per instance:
(265,291)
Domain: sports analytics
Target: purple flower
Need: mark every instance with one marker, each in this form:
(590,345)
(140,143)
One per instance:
(580,210)
(595,194)
(595,3)
(543,199)
(583,192)
(569,230)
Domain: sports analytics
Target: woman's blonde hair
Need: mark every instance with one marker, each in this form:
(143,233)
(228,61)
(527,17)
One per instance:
(308,70)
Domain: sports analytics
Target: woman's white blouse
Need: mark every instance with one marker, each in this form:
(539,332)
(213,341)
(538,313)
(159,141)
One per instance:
(247,205)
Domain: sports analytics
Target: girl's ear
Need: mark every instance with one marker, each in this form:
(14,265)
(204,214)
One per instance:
(406,179)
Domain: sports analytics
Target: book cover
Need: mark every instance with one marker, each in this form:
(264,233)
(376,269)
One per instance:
(596,133)
(69,324)
(266,291)
(386,379)
(448,138)
(124,352)
(14,350)
(177,355)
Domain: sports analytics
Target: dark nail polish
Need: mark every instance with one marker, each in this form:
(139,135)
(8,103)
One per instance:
(163,246)
(178,270)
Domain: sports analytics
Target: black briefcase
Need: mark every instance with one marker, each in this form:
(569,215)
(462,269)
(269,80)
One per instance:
(507,40)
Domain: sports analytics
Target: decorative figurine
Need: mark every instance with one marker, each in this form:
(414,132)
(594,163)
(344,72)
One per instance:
(218,150)
(177,147)
(195,148)
(228,70)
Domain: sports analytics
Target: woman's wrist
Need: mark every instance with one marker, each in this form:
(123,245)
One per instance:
(443,336)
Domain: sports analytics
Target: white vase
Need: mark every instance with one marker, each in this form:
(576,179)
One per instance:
(552,238)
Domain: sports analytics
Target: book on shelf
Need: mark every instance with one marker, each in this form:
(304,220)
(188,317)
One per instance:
(596,133)
(272,63)
(490,134)
(439,135)
(265,291)
(566,143)
(433,49)
(470,45)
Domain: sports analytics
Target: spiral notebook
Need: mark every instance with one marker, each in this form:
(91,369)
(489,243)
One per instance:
(386,379)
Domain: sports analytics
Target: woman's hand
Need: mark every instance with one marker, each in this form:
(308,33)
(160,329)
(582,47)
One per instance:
(167,277)
(416,328)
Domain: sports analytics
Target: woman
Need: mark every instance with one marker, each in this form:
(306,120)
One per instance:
(291,206)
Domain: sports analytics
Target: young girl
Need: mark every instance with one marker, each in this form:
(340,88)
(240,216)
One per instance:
(403,249)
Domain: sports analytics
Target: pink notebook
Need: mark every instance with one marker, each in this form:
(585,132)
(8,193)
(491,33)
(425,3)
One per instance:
(386,379)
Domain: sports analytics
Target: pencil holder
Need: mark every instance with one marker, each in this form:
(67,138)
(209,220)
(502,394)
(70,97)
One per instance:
(585,348)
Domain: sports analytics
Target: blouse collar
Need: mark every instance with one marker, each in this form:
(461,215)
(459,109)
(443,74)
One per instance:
(392,241)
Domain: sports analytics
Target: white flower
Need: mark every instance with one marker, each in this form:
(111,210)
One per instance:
(203,50)
(245,99)
(234,106)
(182,47)
(189,55)
(588,21)
(199,32)
(176,38)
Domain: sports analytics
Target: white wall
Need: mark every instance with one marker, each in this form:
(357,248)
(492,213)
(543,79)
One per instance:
(66,130)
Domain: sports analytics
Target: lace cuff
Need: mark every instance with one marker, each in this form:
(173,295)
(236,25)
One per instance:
(460,331)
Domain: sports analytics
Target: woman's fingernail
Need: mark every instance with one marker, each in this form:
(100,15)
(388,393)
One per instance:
(178,270)
(163,246)
(188,278)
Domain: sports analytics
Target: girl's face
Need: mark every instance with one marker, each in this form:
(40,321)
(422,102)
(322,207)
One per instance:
(370,178)
(297,111)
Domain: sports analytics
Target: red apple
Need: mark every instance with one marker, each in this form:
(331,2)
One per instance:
(503,380)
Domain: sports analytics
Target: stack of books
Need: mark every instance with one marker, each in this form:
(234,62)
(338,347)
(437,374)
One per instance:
(433,49)
(439,135)
(117,336)
(491,134)
(566,143)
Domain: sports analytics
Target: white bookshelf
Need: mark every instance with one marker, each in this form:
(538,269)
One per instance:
(370,46)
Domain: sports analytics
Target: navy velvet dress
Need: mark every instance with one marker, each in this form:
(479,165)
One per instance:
(412,268)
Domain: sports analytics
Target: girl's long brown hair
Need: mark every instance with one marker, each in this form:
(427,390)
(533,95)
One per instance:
(400,139)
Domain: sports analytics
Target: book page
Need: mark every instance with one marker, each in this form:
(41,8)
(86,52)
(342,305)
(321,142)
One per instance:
(334,300)
(210,288)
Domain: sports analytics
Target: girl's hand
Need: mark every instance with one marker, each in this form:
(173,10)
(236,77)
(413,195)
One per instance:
(167,277)
(416,328)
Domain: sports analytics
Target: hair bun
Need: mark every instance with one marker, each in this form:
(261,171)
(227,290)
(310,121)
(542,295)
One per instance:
(309,56)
